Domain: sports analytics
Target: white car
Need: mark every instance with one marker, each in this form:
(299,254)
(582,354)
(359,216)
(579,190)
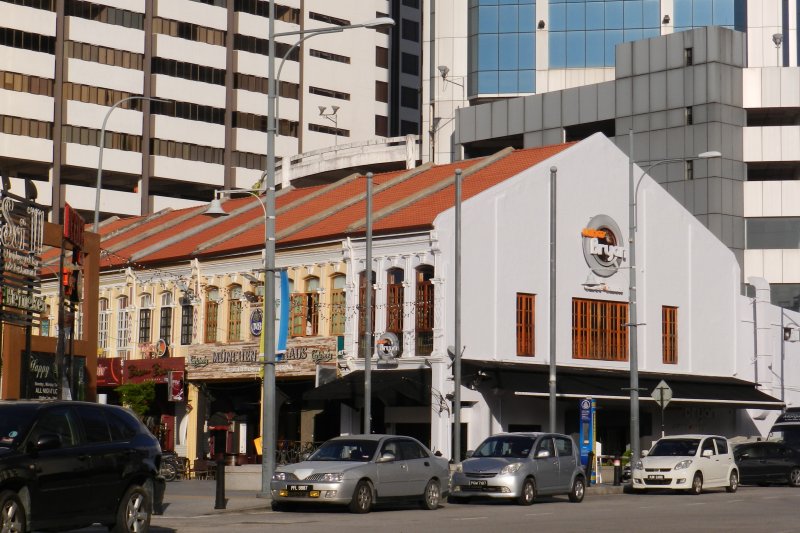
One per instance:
(687,462)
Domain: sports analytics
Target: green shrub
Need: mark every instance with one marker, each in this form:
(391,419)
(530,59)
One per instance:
(137,396)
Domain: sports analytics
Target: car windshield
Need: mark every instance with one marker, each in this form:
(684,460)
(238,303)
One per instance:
(346,450)
(14,424)
(505,446)
(675,447)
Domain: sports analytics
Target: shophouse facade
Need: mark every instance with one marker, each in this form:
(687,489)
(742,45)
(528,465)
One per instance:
(730,373)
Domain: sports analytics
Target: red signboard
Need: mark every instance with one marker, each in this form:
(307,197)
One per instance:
(73,226)
(109,372)
(156,370)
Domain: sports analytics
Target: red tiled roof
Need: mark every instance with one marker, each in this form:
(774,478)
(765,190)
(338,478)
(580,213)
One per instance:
(402,201)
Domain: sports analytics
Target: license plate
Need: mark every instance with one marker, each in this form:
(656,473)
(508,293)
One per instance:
(477,483)
(299,488)
(655,476)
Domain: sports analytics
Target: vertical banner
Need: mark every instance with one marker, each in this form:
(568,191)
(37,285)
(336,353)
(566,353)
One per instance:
(283,312)
(175,386)
(587,428)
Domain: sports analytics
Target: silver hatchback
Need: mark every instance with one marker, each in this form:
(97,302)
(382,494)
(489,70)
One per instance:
(521,466)
(360,470)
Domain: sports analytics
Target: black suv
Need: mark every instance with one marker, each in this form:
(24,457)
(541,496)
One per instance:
(66,465)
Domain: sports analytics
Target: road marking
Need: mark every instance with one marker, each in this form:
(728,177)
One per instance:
(649,506)
(772,497)
(698,503)
(538,514)
(472,518)
(735,501)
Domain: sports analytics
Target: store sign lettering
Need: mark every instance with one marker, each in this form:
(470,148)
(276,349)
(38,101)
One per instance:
(197,362)
(20,299)
(608,252)
(235,356)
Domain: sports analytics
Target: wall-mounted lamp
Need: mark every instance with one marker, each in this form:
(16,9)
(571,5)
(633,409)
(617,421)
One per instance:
(777,38)
(540,25)
(665,20)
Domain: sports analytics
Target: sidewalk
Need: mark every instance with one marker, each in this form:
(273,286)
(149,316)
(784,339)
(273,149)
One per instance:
(192,497)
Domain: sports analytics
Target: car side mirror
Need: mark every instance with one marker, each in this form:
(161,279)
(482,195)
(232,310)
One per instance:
(470,453)
(644,453)
(386,457)
(305,456)
(708,453)
(541,454)
(48,441)
(743,457)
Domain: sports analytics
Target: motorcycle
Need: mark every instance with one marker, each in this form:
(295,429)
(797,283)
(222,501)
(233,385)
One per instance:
(172,468)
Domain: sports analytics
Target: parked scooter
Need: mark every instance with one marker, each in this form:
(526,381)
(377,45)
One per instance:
(172,468)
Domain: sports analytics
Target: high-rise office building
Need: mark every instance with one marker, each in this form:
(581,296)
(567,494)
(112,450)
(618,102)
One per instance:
(64,63)
(615,66)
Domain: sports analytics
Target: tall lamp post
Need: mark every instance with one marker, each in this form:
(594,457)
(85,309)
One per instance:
(268,331)
(100,157)
(633,191)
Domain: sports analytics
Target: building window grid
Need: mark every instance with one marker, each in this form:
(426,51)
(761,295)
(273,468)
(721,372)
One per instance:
(104,14)
(363,350)
(187,324)
(145,325)
(14,81)
(330,130)
(395,301)
(27,40)
(304,310)
(502,48)
(189,31)
(526,324)
(669,334)
(330,93)
(123,323)
(212,316)
(90,137)
(165,325)
(103,316)
(47,5)
(103,55)
(187,71)
(599,330)
(329,56)
(26,126)
(424,306)
(235,314)
(338,305)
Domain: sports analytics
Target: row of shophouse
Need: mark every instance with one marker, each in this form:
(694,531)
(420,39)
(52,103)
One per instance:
(181,299)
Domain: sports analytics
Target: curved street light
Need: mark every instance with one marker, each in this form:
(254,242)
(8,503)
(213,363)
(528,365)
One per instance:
(633,191)
(268,329)
(102,145)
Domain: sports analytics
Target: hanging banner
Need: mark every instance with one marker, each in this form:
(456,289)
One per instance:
(283,326)
(175,386)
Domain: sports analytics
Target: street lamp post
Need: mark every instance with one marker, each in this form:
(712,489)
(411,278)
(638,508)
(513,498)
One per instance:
(268,331)
(333,117)
(368,282)
(633,191)
(456,455)
(100,157)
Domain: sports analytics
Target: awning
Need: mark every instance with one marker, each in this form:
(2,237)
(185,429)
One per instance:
(613,385)
(413,384)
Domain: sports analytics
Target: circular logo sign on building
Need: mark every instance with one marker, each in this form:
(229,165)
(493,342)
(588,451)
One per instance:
(388,346)
(602,246)
(256,322)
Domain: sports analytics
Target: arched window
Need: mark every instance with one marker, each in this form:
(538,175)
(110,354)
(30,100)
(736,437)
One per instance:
(394,301)
(424,310)
(235,313)
(165,319)
(123,326)
(145,319)
(103,313)
(304,311)
(212,314)
(362,316)
(338,304)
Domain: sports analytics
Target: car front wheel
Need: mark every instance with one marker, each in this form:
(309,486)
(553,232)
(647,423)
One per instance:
(528,492)
(578,490)
(431,496)
(133,515)
(362,498)
(697,484)
(733,482)
(13,517)
(794,477)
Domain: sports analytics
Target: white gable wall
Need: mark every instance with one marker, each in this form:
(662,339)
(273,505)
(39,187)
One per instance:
(505,250)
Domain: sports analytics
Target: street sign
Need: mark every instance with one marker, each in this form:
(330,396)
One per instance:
(662,394)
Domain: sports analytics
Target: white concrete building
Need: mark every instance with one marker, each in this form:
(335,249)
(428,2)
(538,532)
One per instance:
(65,62)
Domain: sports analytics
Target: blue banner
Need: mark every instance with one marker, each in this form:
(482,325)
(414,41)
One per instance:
(283,324)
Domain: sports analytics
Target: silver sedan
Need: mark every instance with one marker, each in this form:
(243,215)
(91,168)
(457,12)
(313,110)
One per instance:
(361,470)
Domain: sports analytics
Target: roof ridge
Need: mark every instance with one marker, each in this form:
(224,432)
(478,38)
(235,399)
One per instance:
(348,202)
(432,189)
(179,236)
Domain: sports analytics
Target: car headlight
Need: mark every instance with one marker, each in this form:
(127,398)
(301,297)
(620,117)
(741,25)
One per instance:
(510,469)
(283,476)
(332,478)
(638,466)
(683,464)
